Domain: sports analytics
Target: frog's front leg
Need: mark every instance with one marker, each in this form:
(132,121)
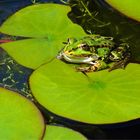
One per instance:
(95,66)
(87,68)
(100,65)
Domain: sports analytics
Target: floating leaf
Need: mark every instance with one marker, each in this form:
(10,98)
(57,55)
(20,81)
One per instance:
(41,20)
(61,133)
(127,7)
(48,24)
(19,118)
(102,97)
(33,52)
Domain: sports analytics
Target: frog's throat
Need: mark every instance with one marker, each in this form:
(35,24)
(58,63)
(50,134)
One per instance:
(72,59)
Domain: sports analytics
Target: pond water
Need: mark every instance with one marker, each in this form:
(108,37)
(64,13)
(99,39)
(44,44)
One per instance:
(111,24)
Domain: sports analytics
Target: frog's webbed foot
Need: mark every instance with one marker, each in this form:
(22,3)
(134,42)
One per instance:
(120,64)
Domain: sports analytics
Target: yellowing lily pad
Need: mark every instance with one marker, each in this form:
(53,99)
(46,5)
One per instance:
(130,8)
(47,24)
(19,118)
(61,133)
(99,98)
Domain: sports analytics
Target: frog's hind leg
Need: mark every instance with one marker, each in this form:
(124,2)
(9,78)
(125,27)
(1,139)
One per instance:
(120,64)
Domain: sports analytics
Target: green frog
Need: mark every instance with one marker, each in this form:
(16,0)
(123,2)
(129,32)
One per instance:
(95,52)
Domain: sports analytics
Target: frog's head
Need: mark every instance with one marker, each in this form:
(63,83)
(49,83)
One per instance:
(77,47)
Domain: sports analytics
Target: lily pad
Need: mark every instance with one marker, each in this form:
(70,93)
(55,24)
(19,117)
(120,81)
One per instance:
(33,52)
(128,7)
(49,27)
(19,118)
(61,133)
(99,98)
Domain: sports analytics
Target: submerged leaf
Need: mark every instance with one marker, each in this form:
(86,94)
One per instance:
(48,24)
(61,133)
(102,97)
(19,118)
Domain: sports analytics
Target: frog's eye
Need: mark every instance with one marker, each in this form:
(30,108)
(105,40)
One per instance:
(85,47)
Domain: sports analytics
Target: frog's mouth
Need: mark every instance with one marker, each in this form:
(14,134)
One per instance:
(78,59)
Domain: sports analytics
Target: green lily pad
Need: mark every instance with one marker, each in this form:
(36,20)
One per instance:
(61,133)
(43,21)
(19,118)
(128,7)
(33,52)
(101,98)
(49,27)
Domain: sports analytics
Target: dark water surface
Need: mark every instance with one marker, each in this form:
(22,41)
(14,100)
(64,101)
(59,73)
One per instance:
(9,69)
